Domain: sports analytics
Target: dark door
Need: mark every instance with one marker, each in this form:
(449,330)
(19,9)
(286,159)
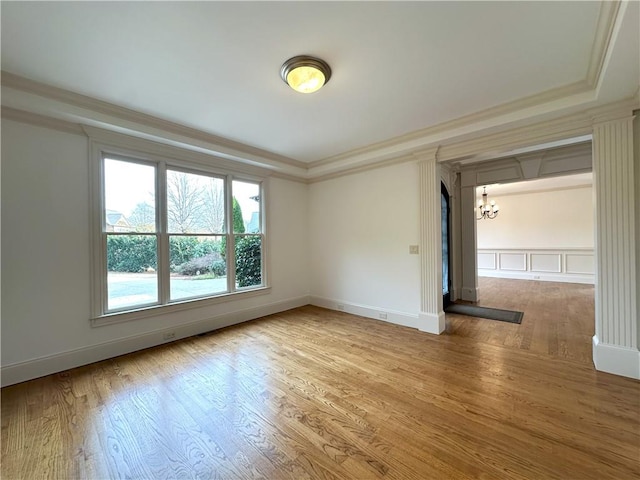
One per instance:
(446,246)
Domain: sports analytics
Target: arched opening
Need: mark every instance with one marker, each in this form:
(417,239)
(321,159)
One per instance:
(445,218)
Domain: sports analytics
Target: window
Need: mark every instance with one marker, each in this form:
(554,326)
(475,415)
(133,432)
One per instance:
(171,235)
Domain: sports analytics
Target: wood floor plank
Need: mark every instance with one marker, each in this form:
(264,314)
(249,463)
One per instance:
(316,394)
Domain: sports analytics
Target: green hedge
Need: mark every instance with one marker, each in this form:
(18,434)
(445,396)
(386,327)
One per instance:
(131,253)
(183,249)
(248,261)
(137,253)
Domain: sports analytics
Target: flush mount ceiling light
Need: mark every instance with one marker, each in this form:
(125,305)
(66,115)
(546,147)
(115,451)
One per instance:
(305,74)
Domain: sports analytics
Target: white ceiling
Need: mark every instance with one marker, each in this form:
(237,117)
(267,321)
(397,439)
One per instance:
(397,67)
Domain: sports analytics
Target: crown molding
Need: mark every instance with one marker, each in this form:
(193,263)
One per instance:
(117,143)
(575,125)
(428,154)
(363,168)
(609,18)
(31,118)
(477,151)
(485,147)
(618,111)
(554,102)
(85,108)
(570,126)
(463,125)
(561,113)
(94,133)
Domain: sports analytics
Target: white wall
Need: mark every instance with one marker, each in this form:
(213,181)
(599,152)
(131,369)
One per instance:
(360,229)
(558,219)
(545,236)
(45,268)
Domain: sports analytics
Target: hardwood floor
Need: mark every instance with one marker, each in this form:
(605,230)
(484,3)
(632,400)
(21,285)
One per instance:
(558,318)
(312,393)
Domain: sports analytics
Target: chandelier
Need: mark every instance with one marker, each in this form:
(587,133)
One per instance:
(487,209)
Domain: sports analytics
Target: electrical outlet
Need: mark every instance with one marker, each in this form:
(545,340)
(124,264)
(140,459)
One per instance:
(169,336)
(340,307)
(413,250)
(536,277)
(383,316)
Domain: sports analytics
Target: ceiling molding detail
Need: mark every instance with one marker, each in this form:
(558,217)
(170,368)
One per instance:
(610,15)
(65,97)
(559,99)
(122,144)
(37,120)
(81,109)
(489,118)
(561,161)
(474,152)
(428,153)
(566,112)
(363,168)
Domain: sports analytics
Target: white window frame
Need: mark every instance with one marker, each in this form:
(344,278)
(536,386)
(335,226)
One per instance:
(135,150)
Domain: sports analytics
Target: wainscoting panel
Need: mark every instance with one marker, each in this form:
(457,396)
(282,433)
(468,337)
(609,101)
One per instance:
(546,262)
(553,265)
(513,261)
(579,263)
(487,261)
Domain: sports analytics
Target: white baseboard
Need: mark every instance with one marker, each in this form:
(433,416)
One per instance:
(541,277)
(39,367)
(432,323)
(392,316)
(617,360)
(469,294)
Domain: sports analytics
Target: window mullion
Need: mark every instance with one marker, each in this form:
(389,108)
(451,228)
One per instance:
(161,234)
(103,283)
(263,237)
(231,257)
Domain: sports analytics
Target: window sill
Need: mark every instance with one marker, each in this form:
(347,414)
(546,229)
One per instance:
(155,310)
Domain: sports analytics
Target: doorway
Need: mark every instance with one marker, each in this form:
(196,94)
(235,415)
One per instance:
(541,264)
(446,245)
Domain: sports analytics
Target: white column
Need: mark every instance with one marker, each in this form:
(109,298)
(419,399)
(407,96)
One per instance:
(469,289)
(615,344)
(432,318)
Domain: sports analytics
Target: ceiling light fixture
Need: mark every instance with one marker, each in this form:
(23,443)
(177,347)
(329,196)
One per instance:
(305,74)
(487,209)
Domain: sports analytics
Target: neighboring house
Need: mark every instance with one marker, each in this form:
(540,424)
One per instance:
(116,222)
(253,225)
